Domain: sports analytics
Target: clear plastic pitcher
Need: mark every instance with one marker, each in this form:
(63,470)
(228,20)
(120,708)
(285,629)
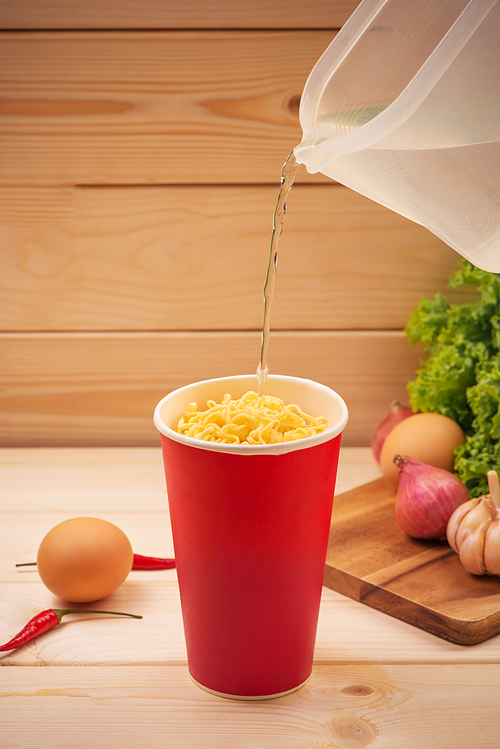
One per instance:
(404,107)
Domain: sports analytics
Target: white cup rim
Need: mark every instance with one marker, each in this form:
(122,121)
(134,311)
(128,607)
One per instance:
(282,383)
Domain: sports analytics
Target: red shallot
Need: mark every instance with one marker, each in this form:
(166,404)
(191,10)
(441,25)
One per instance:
(397,413)
(426,498)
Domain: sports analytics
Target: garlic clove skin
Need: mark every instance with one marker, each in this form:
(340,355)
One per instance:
(471,552)
(478,518)
(474,531)
(491,552)
(455,520)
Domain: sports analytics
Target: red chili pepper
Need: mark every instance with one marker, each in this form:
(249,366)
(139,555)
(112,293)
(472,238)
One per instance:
(152,563)
(48,619)
(139,563)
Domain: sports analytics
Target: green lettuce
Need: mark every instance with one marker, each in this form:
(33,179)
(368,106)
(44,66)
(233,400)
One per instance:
(460,376)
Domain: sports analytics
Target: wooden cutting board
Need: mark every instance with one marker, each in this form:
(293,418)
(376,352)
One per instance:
(423,583)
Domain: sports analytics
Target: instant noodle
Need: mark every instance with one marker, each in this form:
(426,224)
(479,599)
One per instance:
(251,420)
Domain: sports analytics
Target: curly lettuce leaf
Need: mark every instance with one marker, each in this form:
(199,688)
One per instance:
(488,283)
(461,376)
(484,399)
(442,382)
(427,321)
(473,460)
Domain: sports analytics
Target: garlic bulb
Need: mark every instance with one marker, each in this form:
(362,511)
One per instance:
(473,531)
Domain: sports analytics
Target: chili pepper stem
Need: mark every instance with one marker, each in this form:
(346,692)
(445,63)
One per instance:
(140,563)
(62,612)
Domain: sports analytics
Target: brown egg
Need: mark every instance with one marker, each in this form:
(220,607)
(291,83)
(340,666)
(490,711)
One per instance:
(84,559)
(428,437)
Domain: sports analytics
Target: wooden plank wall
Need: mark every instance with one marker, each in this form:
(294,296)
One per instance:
(140,153)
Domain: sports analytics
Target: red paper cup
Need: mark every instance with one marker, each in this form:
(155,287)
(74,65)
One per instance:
(250,527)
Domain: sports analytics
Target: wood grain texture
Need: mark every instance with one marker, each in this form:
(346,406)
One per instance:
(125,682)
(133,164)
(84,389)
(195,258)
(348,706)
(348,631)
(42,487)
(420,582)
(176,107)
(167,14)
(113,478)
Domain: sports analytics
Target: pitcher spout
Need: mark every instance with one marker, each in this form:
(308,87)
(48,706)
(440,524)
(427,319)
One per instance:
(315,154)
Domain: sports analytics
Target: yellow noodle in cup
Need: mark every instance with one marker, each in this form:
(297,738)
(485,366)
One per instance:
(250,420)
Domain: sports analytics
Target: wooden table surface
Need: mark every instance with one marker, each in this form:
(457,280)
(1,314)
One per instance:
(108,682)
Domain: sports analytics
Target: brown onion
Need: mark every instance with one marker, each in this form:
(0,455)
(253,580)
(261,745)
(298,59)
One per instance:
(397,413)
(426,498)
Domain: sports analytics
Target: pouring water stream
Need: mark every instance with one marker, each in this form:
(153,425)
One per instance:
(288,172)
